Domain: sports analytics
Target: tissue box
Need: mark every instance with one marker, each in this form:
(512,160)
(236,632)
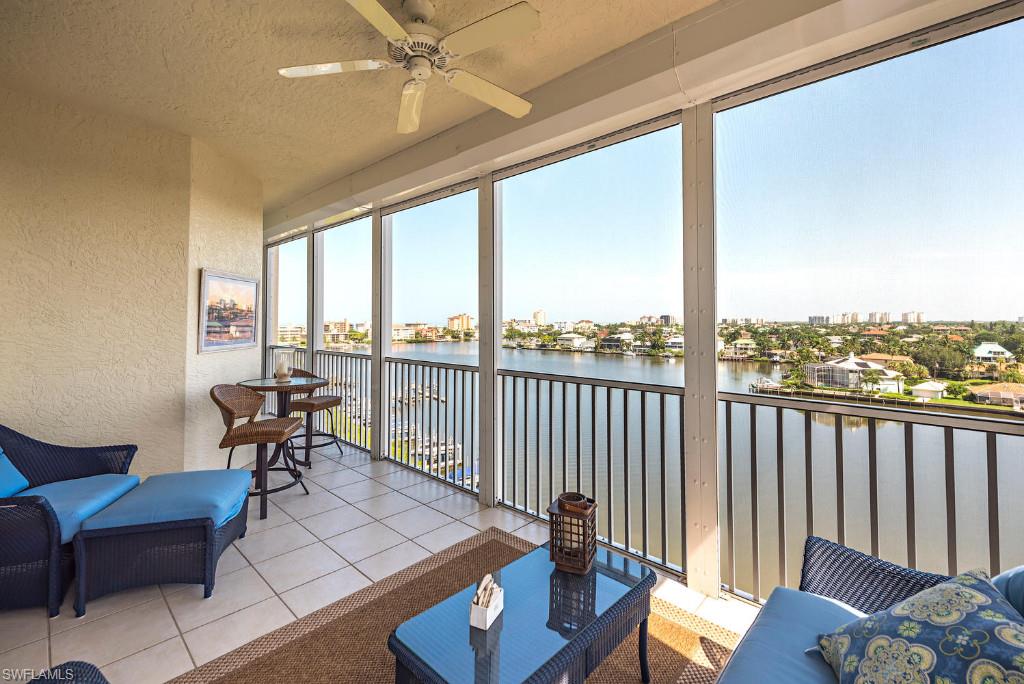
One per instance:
(481,617)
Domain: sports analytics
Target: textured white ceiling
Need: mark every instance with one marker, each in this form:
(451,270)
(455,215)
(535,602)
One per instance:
(207,68)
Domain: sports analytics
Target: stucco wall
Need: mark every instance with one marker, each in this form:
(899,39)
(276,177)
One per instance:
(94,232)
(225,234)
(104,225)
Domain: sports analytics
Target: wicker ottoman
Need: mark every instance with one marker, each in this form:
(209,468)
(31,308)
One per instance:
(172,528)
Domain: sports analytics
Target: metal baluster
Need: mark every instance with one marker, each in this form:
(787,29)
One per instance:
(593,441)
(536,407)
(643,473)
(873,483)
(526,444)
(682,488)
(608,462)
(908,451)
(551,440)
(515,411)
(780,483)
(840,488)
(808,473)
(472,430)
(579,445)
(662,419)
(755,553)
(565,441)
(993,504)
(730,548)
(950,502)
(625,468)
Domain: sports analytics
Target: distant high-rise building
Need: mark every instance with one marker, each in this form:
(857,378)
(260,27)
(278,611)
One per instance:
(460,322)
(648,320)
(819,320)
(667,319)
(1020,319)
(540,317)
(854,317)
(912,317)
(879,317)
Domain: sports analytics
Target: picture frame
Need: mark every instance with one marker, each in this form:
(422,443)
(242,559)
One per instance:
(228,311)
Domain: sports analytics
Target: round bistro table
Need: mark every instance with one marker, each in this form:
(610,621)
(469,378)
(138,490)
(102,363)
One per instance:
(284,391)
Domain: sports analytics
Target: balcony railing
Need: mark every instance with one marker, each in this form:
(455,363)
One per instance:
(927,490)
(931,490)
(348,376)
(617,442)
(432,421)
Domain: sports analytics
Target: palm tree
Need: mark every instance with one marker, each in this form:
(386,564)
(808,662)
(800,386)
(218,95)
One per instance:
(870,378)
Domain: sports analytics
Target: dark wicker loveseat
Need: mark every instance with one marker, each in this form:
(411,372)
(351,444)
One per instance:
(35,568)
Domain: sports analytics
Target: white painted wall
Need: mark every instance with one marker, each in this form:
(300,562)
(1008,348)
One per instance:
(104,224)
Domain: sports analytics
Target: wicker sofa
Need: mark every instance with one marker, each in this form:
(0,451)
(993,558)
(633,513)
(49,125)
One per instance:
(837,585)
(73,510)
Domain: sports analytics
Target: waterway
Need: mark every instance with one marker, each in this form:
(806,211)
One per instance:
(595,456)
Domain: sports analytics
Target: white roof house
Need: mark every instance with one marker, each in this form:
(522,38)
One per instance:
(990,352)
(571,340)
(929,390)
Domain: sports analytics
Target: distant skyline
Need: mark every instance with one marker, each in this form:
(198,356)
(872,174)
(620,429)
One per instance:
(896,188)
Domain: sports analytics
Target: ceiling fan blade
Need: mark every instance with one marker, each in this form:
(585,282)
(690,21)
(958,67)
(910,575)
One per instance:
(412,105)
(334,68)
(487,92)
(512,22)
(381,20)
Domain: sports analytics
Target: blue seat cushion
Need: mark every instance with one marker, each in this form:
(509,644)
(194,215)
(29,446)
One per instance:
(215,494)
(773,649)
(11,479)
(1011,584)
(75,500)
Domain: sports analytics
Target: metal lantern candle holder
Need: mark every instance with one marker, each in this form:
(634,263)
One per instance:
(573,525)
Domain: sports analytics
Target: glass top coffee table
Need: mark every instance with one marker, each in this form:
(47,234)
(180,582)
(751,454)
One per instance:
(555,626)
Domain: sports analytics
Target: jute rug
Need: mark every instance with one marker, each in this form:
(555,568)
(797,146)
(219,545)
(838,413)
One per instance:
(347,641)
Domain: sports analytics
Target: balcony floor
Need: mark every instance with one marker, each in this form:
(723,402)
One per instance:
(361,522)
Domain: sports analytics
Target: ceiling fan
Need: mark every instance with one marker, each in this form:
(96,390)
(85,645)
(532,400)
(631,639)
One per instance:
(421,49)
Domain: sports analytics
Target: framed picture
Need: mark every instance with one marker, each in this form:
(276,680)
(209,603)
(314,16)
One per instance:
(227,311)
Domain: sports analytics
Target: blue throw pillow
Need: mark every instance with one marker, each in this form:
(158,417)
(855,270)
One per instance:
(963,630)
(11,481)
(1011,583)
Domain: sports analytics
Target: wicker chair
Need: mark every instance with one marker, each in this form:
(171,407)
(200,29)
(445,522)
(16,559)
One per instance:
(237,402)
(310,404)
(35,568)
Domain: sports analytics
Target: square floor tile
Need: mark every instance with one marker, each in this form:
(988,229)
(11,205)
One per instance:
(403,478)
(260,547)
(457,505)
(105,605)
(338,478)
(231,593)
(535,533)
(391,561)
(365,541)
(321,466)
(155,665)
(20,627)
(443,537)
(362,490)
(388,504)
(324,591)
(230,561)
(336,521)
(354,457)
(275,517)
(316,502)
(34,657)
(502,518)
(228,633)
(377,468)
(297,567)
(428,491)
(115,636)
(416,521)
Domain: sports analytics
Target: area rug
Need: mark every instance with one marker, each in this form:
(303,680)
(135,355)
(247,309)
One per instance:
(346,641)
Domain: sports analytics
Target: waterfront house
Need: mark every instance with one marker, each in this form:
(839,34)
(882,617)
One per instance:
(990,352)
(886,359)
(1000,394)
(675,342)
(930,389)
(571,341)
(742,348)
(848,372)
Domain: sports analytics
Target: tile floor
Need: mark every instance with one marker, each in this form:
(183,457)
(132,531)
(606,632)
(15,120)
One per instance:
(361,522)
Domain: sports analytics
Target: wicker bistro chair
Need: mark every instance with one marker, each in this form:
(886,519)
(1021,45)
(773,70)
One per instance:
(311,404)
(35,568)
(237,402)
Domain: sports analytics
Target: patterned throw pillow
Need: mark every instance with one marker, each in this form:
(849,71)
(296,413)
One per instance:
(963,630)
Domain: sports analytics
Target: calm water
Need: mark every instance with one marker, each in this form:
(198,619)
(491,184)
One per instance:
(550,459)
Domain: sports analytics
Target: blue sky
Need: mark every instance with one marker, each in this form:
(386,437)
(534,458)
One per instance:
(893,188)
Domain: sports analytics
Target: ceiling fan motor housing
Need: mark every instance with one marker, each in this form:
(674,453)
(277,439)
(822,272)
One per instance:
(421,55)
